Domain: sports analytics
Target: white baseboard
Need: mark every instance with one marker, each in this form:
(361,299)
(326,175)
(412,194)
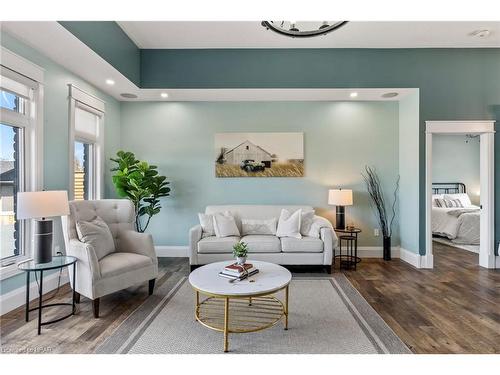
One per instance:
(374,251)
(172,251)
(17,297)
(410,257)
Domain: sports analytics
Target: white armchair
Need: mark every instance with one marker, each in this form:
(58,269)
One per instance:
(133,262)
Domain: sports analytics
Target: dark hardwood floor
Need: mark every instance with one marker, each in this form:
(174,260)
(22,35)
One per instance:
(454,308)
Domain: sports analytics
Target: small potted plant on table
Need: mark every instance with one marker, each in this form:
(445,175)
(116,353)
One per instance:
(240,251)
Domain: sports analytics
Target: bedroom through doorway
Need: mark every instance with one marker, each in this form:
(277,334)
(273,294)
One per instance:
(459,193)
(456,192)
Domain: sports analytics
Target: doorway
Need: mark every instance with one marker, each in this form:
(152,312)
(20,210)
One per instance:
(484,130)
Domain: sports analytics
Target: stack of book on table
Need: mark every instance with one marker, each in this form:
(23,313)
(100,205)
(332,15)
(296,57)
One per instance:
(236,271)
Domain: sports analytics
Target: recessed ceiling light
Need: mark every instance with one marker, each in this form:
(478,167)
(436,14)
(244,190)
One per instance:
(164,95)
(354,95)
(390,95)
(110,82)
(481,33)
(128,95)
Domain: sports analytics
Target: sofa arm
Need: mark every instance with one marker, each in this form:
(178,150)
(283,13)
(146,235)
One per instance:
(139,243)
(88,263)
(330,240)
(195,234)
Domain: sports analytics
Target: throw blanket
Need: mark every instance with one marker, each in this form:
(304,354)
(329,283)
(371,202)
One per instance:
(459,211)
(461,225)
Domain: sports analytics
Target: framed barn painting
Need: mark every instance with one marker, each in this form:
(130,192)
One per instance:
(259,155)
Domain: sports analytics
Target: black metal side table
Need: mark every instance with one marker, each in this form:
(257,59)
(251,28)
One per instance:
(58,262)
(350,238)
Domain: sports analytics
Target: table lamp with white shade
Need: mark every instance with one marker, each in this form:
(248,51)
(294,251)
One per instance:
(340,198)
(41,205)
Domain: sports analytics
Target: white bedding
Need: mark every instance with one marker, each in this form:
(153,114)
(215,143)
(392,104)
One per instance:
(461,226)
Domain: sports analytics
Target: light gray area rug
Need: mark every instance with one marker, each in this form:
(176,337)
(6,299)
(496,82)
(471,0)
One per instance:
(327,315)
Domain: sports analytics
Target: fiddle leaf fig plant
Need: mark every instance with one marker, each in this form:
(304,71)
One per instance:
(142,184)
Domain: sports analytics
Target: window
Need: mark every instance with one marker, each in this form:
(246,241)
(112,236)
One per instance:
(86,140)
(18,149)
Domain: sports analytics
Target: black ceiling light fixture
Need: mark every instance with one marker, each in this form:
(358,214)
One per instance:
(302,29)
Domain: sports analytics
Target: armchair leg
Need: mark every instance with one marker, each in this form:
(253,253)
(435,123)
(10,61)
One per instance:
(77,297)
(151,286)
(95,307)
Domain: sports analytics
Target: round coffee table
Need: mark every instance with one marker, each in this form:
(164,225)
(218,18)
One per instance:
(242,306)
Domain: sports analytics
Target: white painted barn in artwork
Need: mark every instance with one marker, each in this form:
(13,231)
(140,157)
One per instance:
(247,151)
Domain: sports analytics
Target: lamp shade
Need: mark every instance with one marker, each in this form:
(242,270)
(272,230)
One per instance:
(41,204)
(340,197)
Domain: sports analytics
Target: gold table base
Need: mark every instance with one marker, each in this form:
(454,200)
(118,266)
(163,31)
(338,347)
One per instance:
(241,314)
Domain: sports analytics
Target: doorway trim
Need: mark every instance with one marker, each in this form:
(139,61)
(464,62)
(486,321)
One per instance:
(485,129)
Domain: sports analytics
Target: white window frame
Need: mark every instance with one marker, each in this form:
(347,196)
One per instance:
(90,103)
(32,125)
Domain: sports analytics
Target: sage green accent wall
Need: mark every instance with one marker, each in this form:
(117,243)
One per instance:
(454,160)
(110,42)
(454,84)
(339,139)
(55,131)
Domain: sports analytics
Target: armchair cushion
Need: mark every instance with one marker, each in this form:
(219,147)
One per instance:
(97,234)
(119,263)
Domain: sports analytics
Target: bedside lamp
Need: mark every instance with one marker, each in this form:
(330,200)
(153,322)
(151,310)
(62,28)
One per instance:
(41,205)
(340,198)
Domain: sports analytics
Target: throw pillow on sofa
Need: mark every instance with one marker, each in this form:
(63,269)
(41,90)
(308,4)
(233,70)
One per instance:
(258,226)
(97,234)
(207,224)
(289,224)
(306,222)
(225,225)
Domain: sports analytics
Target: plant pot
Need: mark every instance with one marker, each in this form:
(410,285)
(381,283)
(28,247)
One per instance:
(387,248)
(241,260)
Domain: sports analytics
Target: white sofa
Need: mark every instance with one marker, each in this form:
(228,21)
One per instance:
(287,251)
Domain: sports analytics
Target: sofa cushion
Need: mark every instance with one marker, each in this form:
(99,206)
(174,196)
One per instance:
(119,263)
(303,245)
(262,243)
(212,244)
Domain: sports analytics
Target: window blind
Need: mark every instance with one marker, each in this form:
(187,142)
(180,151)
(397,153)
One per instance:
(86,124)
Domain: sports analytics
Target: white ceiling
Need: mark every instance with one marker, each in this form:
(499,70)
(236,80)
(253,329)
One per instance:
(217,34)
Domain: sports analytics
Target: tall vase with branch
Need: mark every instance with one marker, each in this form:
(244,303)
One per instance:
(142,184)
(376,193)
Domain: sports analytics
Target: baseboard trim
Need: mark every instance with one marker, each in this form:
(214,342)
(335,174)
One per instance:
(172,251)
(410,257)
(17,297)
(374,252)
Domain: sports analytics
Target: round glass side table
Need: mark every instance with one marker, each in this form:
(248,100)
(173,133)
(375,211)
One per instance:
(58,262)
(350,238)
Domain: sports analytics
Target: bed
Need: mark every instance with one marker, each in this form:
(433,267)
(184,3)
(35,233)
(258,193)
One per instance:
(460,223)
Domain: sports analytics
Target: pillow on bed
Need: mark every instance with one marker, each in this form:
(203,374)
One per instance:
(464,198)
(448,203)
(436,196)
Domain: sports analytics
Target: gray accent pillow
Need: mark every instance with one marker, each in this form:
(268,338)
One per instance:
(259,226)
(97,234)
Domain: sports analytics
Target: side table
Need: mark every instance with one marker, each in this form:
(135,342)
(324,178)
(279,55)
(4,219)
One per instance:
(350,238)
(58,262)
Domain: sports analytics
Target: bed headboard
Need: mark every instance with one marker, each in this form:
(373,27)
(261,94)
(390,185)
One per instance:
(448,188)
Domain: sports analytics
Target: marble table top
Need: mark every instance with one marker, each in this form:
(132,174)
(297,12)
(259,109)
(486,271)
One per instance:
(271,277)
